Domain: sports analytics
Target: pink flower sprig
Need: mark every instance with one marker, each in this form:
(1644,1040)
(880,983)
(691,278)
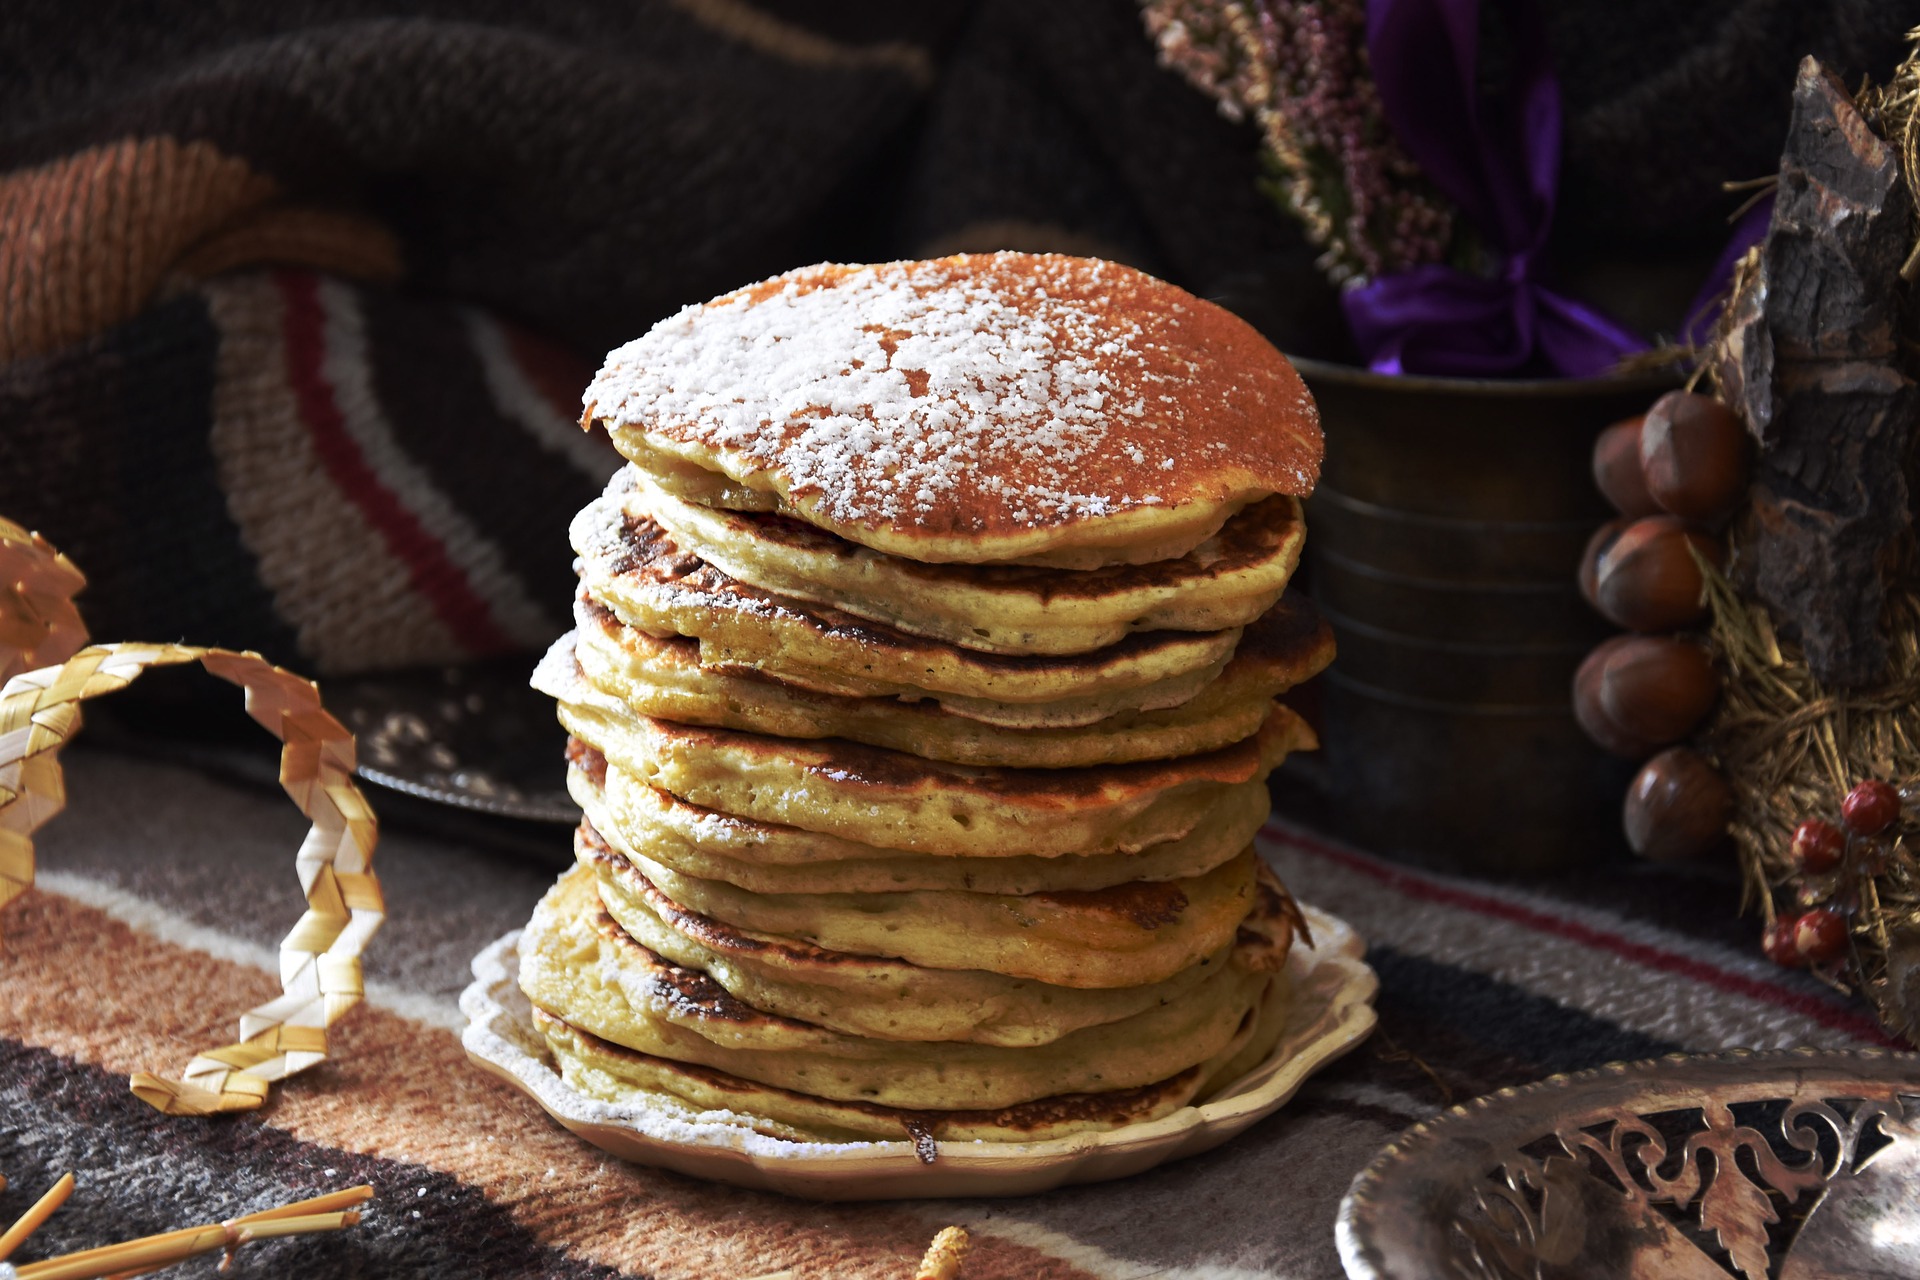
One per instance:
(1298,69)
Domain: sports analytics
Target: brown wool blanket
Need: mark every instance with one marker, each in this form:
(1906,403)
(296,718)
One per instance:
(297,299)
(162,895)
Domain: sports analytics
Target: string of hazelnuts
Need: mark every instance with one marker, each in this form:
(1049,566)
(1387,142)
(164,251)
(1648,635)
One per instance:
(1676,475)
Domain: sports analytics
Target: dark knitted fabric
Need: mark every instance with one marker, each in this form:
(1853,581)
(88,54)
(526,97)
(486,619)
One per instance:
(106,451)
(296,300)
(1666,101)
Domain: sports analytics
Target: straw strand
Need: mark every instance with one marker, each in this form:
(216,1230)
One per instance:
(130,1258)
(134,1257)
(29,1222)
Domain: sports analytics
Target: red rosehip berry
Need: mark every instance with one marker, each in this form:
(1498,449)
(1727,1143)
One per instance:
(1818,846)
(1820,935)
(1777,942)
(1871,806)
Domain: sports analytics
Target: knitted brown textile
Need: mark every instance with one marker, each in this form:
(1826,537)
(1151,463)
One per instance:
(296,299)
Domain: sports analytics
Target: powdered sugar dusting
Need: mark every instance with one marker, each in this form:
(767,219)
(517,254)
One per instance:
(965,392)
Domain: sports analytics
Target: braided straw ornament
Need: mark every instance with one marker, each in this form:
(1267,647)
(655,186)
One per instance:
(39,710)
(38,622)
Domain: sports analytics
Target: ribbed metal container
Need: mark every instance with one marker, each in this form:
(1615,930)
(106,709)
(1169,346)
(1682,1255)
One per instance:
(1443,542)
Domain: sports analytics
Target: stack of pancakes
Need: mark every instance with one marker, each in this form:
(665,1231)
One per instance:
(922,703)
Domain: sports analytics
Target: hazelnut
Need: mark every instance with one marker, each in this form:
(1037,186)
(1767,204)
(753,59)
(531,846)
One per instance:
(1677,807)
(1658,688)
(1646,580)
(1597,545)
(1590,709)
(1693,456)
(1636,694)
(1617,470)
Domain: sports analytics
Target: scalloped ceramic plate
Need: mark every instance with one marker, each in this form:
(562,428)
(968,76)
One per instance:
(1332,1012)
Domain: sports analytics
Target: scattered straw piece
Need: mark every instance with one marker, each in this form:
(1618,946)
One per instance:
(40,709)
(329,1203)
(130,1258)
(944,1255)
(30,1221)
(149,1253)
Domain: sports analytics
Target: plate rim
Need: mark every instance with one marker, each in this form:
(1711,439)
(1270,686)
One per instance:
(834,1171)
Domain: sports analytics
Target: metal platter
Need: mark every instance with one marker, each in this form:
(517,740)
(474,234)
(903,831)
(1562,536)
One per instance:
(473,737)
(1782,1165)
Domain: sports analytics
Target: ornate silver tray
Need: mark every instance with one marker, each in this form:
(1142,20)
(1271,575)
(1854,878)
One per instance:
(1788,1165)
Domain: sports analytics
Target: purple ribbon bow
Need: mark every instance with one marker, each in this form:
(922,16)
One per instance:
(1501,169)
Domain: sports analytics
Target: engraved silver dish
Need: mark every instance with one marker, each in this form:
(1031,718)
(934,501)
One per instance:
(1784,1165)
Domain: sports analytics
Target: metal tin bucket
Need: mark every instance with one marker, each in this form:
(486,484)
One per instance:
(1444,540)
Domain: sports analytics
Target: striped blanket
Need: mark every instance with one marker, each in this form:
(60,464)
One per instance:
(163,893)
(296,299)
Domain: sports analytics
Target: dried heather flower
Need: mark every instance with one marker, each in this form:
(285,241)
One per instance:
(1298,70)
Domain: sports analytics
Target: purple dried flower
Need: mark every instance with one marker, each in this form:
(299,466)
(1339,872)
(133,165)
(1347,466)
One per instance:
(1298,69)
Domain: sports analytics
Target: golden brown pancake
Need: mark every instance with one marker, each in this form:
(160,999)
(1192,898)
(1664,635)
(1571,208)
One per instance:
(1126,935)
(891,800)
(578,964)
(673,1089)
(889,998)
(663,678)
(1226,581)
(622,1076)
(763,857)
(979,408)
(633,567)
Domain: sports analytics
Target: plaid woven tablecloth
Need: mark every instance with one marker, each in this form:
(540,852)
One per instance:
(163,892)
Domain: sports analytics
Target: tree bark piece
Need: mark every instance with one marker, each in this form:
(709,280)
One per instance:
(1811,359)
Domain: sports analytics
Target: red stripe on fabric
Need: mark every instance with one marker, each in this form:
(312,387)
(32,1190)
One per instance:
(1417,886)
(430,570)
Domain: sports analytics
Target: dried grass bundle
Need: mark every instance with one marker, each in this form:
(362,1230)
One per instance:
(1791,747)
(1894,111)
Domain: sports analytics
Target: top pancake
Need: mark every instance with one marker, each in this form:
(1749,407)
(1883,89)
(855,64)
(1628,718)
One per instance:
(982,408)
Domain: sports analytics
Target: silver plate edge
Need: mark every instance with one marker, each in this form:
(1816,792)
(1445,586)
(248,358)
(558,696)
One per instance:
(1369,1252)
